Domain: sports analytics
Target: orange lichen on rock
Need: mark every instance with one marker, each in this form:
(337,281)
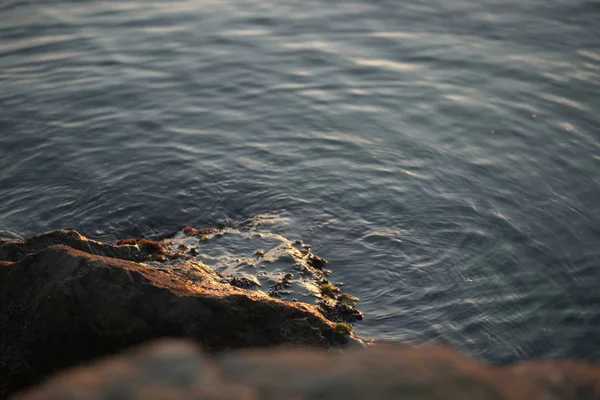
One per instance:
(151,246)
(128,241)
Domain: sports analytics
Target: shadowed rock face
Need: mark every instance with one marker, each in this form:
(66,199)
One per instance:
(178,370)
(60,306)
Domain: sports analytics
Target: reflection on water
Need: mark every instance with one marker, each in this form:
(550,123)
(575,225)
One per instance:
(443,156)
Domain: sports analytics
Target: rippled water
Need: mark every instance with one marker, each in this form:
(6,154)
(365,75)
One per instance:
(444,156)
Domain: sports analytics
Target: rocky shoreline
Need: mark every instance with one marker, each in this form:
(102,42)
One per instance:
(66,300)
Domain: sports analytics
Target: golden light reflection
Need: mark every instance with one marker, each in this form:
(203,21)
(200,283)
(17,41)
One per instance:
(394,35)
(387,64)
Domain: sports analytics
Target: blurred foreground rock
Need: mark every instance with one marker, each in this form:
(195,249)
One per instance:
(178,370)
(65,300)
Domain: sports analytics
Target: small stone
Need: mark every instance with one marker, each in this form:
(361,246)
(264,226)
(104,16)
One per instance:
(176,255)
(243,283)
(262,275)
(339,311)
(316,261)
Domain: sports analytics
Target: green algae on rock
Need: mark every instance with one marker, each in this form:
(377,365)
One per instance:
(347,299)
(329,290)
(343,329)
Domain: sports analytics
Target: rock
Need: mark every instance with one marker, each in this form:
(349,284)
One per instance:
(339,311)
(178,370)
(14,250)
(60,306)
(242,282)
(316,261)
(564,379)
(163,370)
(146,246)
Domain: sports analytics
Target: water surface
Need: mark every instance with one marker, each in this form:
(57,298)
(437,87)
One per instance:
(444,156)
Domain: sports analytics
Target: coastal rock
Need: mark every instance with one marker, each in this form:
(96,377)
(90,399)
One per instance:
(60,306)
(14,250)
(179,370)
(339,311)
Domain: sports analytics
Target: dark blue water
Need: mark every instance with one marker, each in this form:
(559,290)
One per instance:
(444,156)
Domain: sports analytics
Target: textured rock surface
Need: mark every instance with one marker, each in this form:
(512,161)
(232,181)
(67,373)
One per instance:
(177,370)
(14,250)
(60,306)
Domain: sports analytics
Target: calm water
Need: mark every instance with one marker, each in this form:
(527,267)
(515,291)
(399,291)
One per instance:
(444,155)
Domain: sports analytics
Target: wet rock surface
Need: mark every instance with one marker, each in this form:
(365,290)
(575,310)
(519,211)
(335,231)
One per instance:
(249,257)
(179,370)
(63,304)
